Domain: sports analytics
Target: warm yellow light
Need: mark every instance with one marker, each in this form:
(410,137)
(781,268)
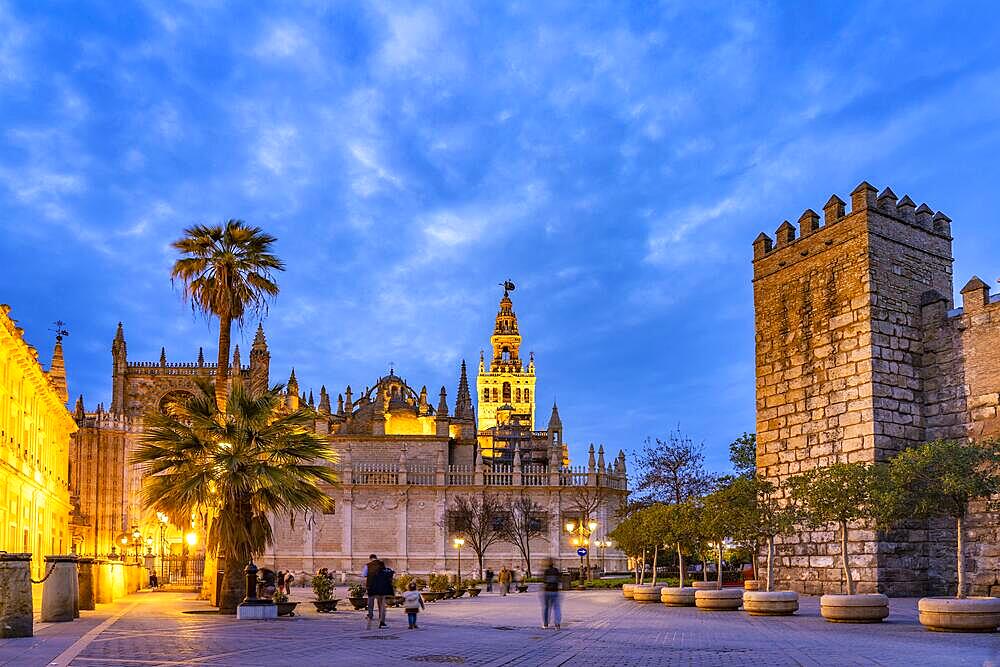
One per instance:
(570,526)
(576,542)
(459,542)
(592,526)
(191,538)
(163,518)
(149,541)
(124,540)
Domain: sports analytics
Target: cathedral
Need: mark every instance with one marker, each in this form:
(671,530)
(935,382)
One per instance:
(403,456)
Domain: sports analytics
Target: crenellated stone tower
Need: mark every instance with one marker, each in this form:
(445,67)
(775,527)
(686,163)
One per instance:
(859,354)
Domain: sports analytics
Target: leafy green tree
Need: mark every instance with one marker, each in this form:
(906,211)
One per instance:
(743,455)
(940,479)
(227,271)
(242,465)
(838,494)
(767,518)
(727,513)
(631,538)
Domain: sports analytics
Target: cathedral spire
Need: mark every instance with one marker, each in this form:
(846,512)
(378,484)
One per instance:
(57,369)
(324,400)
(259,341)
(442,408)
(260,363)
(463,400)
(554,421)
(79,411)
(163,356)
(201,357)
(235,367)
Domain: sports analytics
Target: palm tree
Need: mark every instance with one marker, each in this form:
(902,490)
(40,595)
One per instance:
(227,272)
(242,465)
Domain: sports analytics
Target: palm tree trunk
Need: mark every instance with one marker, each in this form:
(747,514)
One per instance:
(961,558)
(233,588)
(843,556)
(680,565)
(718,574)
(222,370)
(770,563)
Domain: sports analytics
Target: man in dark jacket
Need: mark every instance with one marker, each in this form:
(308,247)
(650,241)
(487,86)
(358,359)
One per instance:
(378,582)
(551,579)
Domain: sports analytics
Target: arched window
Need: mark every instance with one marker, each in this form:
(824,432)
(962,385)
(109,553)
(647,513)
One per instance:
(506,392)
(486,394)
(527,395)
(505,354)
(495,396)
(517,394)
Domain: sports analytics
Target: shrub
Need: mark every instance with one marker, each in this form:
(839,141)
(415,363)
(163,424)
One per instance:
(356,591)
(403,581)
(439,583)
(322,587)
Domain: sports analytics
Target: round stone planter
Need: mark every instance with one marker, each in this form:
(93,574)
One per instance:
(728,599)
(775,603)
(976,614)
(677,597)
(703,585)
(627,589)
(647,593)
(751,585)
(861,608)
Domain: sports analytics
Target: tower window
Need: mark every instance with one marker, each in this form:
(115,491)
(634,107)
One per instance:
(506,392)
(495,395)
(527,395)
(517,394)
(486,394)
(505,354)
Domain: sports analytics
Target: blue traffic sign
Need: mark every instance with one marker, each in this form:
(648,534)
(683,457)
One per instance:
(581,552)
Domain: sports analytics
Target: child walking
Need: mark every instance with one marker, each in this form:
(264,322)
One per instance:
(413,602)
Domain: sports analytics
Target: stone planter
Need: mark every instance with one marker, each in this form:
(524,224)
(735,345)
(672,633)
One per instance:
(358,603)
(728,599)
(459,592)
(286,608)
(329,606)
(862,608)
(975,614)
(751,585)
(677,597)
(433,596)
(703,585)
(627,590)
(474,592)
(647,593)
(774,603)
(522,588)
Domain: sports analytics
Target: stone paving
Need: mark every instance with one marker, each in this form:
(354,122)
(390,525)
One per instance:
(599,628)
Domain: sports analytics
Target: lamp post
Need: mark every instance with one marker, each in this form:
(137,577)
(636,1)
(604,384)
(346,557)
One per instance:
(164,520)
(136,542)
(581,538)
(602,545)
(459,543)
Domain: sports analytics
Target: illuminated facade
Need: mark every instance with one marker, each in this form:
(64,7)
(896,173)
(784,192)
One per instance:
(507,386)
(35,429)
(403,457)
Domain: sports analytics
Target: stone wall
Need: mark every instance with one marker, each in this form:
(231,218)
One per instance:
(859,356)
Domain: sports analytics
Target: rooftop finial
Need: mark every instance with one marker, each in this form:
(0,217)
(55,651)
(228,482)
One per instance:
(508,286)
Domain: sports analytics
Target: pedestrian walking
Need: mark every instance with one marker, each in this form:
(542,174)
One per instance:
(413,602)
(489,580)
(289,580)
(550,595)
(504,579)
(280,581)
(378,582)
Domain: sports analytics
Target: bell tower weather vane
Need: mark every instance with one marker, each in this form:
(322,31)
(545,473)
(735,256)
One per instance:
(508,286)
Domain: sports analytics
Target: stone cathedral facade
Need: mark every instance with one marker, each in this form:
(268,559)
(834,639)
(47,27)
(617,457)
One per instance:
(861,353)
(403,457)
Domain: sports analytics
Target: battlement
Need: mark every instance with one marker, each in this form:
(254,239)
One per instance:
(176,368)
(976,299)
(864,198)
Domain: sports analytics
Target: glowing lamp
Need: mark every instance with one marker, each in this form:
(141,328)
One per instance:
(570,526)
(191,538)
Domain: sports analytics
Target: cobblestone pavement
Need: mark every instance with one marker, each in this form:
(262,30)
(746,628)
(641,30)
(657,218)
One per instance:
(599,628)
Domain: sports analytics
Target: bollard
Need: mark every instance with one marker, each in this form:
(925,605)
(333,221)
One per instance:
(59,589)
(87,583)
(252,607)
(117,579)
(15,595)
(75,583)
(104,590)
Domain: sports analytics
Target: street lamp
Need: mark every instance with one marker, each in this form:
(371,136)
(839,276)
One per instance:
(602,545)
(581,539)
(136,542)
(459,543)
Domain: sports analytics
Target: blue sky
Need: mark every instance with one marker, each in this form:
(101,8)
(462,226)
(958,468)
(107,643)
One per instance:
(615,160)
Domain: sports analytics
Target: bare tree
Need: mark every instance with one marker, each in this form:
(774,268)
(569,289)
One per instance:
(480,520)
(673,470)
(586,502)
(524,525)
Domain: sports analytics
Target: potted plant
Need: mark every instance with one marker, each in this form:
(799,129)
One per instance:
(438,584)
(657,523)
(722,517)
(765,519)
(940,479)
(285,608)
(356,595)
(322,586)
(472,587)
(841,494)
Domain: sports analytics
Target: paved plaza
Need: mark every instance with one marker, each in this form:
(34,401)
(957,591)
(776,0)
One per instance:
(599,628)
